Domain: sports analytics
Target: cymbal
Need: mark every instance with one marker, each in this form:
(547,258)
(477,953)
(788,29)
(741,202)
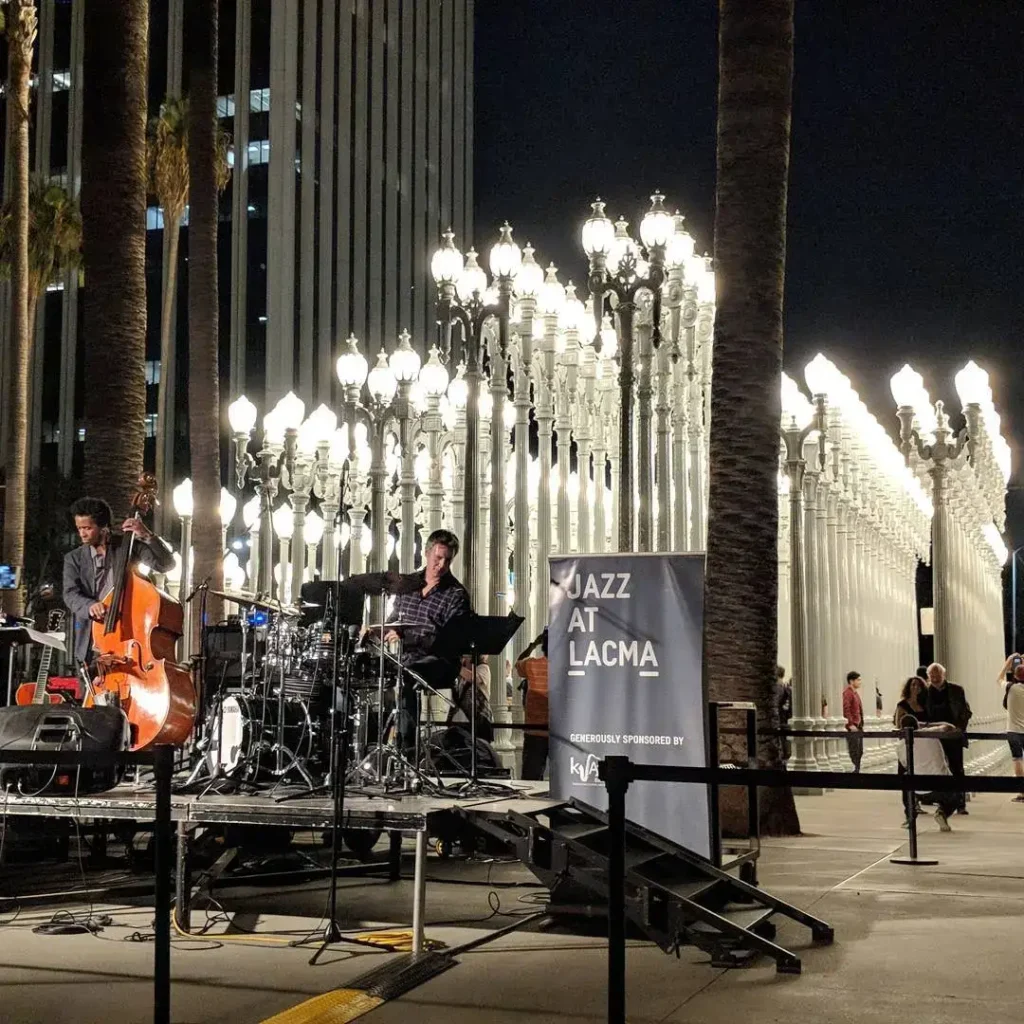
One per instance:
(400,625)
(252,601)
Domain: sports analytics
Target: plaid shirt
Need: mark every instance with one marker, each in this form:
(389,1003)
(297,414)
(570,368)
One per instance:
(428,614)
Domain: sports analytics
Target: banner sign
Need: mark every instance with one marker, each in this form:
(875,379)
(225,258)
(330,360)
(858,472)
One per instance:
(624,654)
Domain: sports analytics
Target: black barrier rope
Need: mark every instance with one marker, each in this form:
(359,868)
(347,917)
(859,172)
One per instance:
(867,733)
(817,734)
(619,772)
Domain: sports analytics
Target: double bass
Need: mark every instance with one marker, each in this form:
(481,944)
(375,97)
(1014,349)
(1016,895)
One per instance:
(136,647)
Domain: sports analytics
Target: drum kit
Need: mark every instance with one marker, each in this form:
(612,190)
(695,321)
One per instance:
(275,725)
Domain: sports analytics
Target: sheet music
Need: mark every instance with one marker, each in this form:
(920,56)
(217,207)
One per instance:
(54,640)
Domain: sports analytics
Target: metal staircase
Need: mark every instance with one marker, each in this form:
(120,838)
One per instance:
(673,896)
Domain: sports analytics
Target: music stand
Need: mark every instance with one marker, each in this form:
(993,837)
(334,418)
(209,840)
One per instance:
(13,636)
(476,635)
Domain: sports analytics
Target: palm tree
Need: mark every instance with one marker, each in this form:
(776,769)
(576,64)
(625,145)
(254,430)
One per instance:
(114,235)
(168,181)
(21,33)
(54,238)
(205,175)
(755,68)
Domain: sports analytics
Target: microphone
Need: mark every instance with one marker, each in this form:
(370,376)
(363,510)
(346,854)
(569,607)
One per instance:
(199,586)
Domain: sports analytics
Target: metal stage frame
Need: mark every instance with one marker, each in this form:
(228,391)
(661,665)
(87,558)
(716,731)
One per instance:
(397,814)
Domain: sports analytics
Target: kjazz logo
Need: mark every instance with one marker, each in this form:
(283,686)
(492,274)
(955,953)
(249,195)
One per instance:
(585,771)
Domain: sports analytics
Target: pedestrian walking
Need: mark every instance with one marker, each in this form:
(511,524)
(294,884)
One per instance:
(930,759)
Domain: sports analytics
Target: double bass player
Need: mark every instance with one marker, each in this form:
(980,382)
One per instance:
(87,569)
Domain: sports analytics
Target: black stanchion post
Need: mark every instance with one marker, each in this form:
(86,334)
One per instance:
(616,781)
(714,805)
(753,807)
(911,806)
(163,765)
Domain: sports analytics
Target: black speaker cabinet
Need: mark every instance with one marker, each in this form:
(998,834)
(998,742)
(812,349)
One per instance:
(224,657)
(64,728)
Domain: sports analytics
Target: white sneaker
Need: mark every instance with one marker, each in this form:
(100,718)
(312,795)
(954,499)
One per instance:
(940,817)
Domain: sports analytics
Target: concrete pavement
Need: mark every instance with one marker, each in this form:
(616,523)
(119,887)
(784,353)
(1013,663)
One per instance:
(912,944)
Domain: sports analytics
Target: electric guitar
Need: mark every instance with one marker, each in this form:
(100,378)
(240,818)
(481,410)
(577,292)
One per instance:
(36,693)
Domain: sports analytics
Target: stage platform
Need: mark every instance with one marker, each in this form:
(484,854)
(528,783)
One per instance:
(391,812)
(398,814)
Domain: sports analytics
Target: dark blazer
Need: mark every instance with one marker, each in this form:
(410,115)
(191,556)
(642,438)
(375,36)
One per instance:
(80,582)
(959,710)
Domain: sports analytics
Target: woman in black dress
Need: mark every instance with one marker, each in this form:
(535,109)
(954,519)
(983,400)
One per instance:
(910,703)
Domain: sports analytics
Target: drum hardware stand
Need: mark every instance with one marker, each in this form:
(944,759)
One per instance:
(280,749)
(199,661)
(413,778)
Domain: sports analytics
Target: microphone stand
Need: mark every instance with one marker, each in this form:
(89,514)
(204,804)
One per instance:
(199,660)
(332,932)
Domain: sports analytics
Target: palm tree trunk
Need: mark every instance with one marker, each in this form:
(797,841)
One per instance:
(755,65)
(114,242)
(165,391)
(203,321)
(21,23)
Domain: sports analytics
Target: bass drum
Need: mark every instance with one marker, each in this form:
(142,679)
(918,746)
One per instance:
(242,730)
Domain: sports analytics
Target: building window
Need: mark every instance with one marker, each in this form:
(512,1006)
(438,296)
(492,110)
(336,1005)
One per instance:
(155,218)
(152,371)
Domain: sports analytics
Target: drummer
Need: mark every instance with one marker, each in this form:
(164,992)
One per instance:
(425,601)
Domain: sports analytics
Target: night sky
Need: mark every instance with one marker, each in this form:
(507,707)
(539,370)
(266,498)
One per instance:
(906,206)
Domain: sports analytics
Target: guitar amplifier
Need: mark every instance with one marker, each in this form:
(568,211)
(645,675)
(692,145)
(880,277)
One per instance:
(65,686)
(61,727)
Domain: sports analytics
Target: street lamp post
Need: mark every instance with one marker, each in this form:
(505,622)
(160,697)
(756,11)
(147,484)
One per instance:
(327,483)
(527,285)
(940,451)
(550,301)
(617,270)
(181,497)
(283,521)
(405,366)
(567,369)
(464,299)
(273,466)
(1013,596)
(313,438)
(800,419)
(352,370)
(251,521)
(434,380)
(584,430)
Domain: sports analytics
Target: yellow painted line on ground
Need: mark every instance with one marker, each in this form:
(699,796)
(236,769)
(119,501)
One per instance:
(337,1007)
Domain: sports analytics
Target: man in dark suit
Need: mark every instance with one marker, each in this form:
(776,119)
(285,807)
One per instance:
(947,702)
(88,569)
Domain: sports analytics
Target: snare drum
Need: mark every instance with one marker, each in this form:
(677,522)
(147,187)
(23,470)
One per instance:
(242,731)
(365,669)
